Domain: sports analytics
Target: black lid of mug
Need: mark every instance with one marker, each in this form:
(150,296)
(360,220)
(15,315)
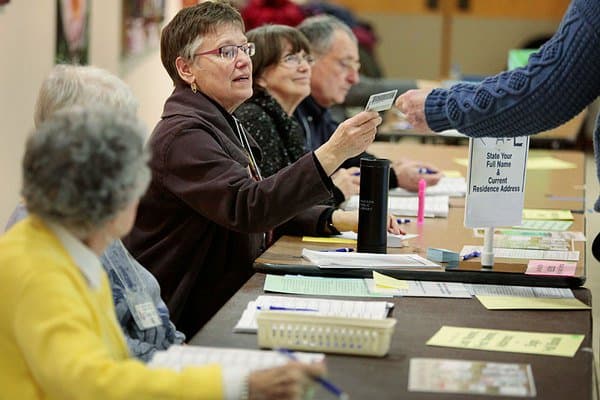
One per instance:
(374,162)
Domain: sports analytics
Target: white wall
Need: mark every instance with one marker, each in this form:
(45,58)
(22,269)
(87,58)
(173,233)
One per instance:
(27,40)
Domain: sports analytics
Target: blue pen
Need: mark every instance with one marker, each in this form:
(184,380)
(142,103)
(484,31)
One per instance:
(322,381)
(341,250)
(428,171)
(403,221)
(472,254)
(356,174)
(278,308)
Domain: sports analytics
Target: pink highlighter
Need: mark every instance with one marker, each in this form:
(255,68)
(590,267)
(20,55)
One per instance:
(421,209)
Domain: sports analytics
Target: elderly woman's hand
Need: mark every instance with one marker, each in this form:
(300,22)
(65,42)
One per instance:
(408,174)
(347,180)
(412,105)
(351,138)
(348,221)
(288,382)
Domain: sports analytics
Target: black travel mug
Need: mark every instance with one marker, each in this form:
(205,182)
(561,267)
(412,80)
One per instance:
(373,205)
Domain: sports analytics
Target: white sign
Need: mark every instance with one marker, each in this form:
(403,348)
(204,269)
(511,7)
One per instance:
(496,181)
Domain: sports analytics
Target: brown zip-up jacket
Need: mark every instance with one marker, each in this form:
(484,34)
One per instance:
(201,223)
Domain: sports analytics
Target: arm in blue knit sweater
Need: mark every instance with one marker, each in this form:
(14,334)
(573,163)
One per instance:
(559,81)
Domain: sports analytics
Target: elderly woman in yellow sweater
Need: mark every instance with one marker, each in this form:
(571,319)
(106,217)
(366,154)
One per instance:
(83,173)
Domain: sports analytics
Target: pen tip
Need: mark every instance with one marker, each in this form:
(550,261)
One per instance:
(344,396)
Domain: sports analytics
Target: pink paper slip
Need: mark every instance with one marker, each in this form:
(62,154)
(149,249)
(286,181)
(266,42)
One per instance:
(548,267)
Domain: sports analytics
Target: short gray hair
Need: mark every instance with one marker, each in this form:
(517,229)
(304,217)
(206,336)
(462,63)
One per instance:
(85,86)
(319,30)
(83,166)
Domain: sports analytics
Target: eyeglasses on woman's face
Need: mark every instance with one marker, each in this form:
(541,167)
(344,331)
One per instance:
(295,60)
(230,52)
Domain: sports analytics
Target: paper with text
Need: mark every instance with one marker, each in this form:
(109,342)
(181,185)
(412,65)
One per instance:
(474,377)
(423,289)
(314,306)
(530,303)
(526,253)
(178,357)
(550,267)
(318,286)
(451,187)
(332,259)
(388,282)
(548,215)
(551,344)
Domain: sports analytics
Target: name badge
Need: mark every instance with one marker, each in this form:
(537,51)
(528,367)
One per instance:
(143,310)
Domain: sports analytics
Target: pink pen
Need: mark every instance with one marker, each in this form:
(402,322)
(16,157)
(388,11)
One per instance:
(421,209)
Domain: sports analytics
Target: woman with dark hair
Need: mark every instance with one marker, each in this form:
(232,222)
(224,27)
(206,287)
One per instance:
(281,80)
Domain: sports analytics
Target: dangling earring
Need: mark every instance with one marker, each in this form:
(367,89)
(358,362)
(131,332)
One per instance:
(194,87)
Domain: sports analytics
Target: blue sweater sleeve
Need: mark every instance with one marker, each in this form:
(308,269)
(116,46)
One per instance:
(559,81)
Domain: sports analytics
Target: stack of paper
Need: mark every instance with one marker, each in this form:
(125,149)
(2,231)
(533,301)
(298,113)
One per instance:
(453,187)
(332,259)
(392,239)
(179,357)
(314,306)
(435,206)
(318,286)
(526,253)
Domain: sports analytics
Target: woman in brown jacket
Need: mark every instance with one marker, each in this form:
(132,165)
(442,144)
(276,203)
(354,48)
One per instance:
(208,213)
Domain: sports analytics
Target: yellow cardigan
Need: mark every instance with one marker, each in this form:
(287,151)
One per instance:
(59,339)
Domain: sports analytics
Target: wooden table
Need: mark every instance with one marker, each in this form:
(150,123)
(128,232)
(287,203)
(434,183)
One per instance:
(418,319)
(550,189)
(284,257)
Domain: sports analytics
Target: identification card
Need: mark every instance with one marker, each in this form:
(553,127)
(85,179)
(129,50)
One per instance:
(381,101)
(143,310)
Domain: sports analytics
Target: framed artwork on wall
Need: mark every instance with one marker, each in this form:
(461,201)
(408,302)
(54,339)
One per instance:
(189,3)
(72,31)
(142,21)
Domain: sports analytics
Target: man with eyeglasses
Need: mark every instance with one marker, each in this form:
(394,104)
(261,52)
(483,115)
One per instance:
(334,72)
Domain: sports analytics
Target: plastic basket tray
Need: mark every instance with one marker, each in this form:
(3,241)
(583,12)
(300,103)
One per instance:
(300,331)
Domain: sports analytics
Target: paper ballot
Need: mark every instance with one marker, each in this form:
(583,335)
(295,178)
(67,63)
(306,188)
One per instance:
(312,305)
(179,357)
(435,206)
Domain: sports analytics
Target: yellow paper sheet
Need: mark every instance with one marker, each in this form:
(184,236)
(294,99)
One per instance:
(385,281)
(551,344)
(548,162)
(452,173)
(555,215)
(534,163)
(530,303)
(334,240)
(462,161)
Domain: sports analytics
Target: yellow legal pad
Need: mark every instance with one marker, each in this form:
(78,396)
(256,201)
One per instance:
(334,240)
(530,303)
(551,344)
(385,281)
(557,215)
(452,173)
